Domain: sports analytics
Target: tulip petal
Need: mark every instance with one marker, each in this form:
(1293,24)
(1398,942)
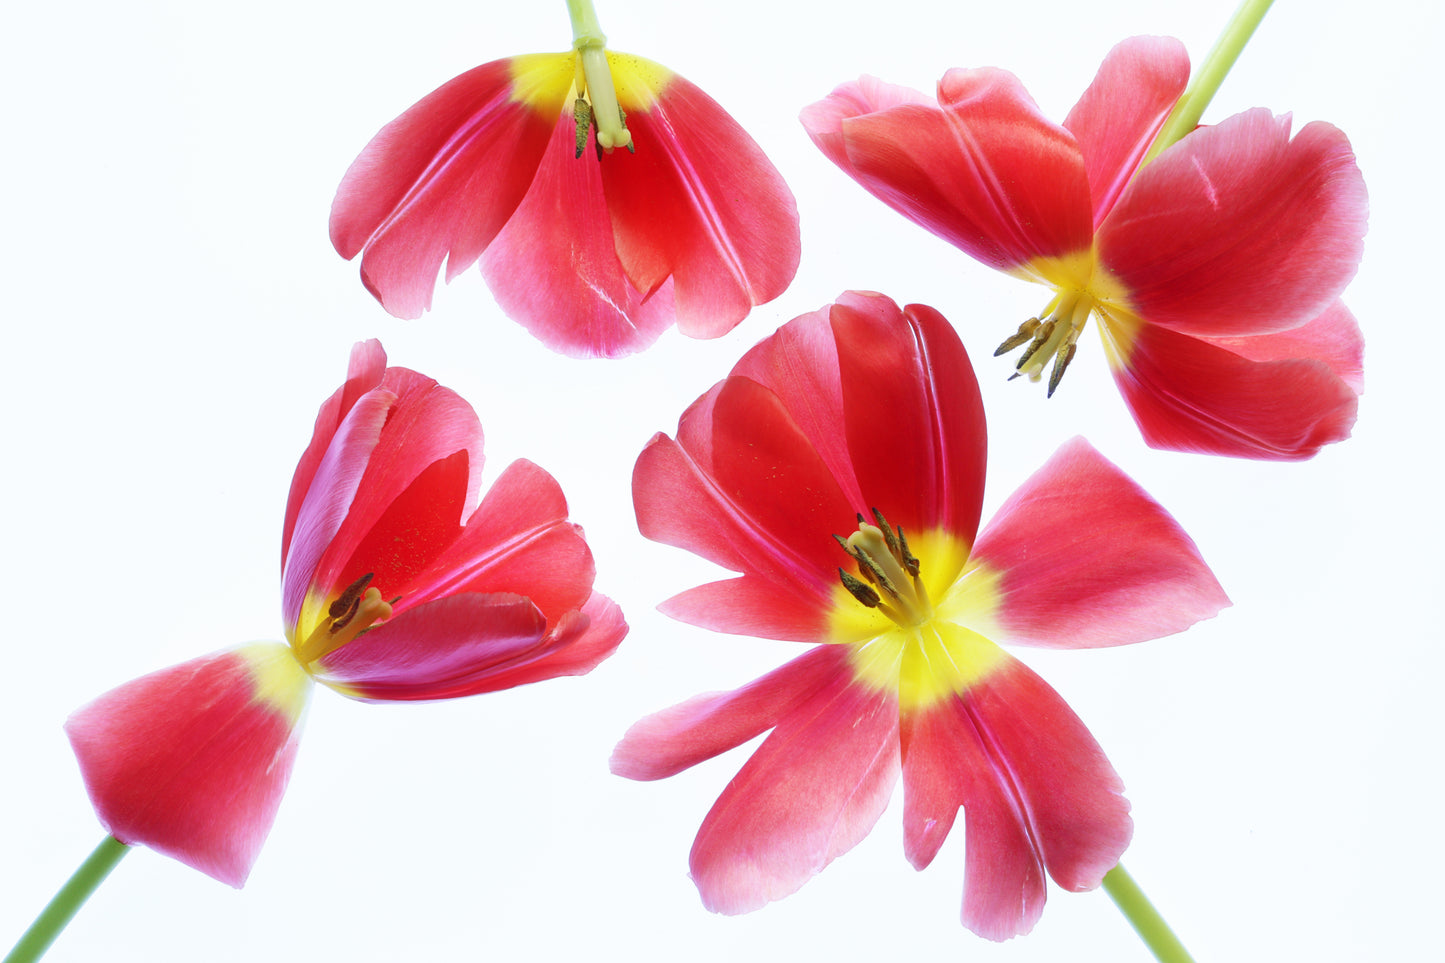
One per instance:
(1333,337)
(984,170)
(1087,559)
(1188,394)
(699,201)
(445,176)
(575,646)
(554,267)
(441,649)
(1239,230)
(1116,120)
(192,760)
(667,742)
(810,792)
(518,541)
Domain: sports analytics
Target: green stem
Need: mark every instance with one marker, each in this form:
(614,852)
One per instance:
(1202,88)
(586,31)
(1145,919)
(68,901)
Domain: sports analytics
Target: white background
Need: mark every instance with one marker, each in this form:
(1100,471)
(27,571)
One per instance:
(174,314)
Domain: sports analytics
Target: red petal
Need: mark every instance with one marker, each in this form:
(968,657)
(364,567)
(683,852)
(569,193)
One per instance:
(1087,559)
(913,413)
(1119,115)
(554,267)
(667,742)
(192,760)
(700,202)
(1036,791)
(1239,230)
(517,541)
(438,650)
(441,179)
(1333,337)
(1188,394)
(753,606)
(984,170)
(576,646)
(811,791)
(365,371)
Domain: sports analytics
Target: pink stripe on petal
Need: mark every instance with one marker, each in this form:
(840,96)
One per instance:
(1077,815)
(1239,230)
(439,650)
(1188,394)
(518,540)
(811,792)
(1118,117)
(914,417)
(946,765)
(554,267)
(984,170)
(700,201)
(667,742)
(364,372)
(190,762)
(442,178)
(1087,559)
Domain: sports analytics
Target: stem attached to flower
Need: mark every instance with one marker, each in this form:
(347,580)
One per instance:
(68,901)
(1145,919)
(1190,106)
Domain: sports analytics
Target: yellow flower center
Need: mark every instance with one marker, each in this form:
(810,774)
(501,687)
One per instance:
(901,638)
(1082,288)
(352,612)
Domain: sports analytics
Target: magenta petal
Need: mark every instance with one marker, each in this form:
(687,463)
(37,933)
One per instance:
(1333,337)
(192,760)
(667,742)
(1238,229)
(1192,394)
(752,606)
(811,792)
(1086,559)
(554,267)
(1118,117)
(439,650)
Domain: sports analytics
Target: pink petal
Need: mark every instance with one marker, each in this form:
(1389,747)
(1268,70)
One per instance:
(667,742)
(947,764)
(1036,790)
(441,179)
(1118,117)
(1239,230)
(365,371)
(1087,559)
(700,202)
(914,417)
(192,760)
(554,267)
(518,541)
(575,646)
(1188,394)
(438,650)
(753,606)
(811,791)
(984,170)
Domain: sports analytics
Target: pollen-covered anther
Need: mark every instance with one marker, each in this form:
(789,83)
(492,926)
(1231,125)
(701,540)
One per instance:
(351,613)
(884,560)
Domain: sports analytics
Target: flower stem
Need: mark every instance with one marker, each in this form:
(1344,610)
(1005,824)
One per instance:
(1202,88)
(67,902)
(1145,919)
(586,31)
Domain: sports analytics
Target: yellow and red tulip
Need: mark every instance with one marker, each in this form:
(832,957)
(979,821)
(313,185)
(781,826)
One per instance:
(1214,270)
(606,197)
(840,469)
(396,585)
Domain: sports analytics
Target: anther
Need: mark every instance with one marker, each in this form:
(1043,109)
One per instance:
(1025,332)
(350,597)
(905,556)
(1061,363)
(859,590)
(1041,337)
(887,531)
(582,114)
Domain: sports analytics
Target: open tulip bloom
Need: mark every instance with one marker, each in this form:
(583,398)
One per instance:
(840,469)
(606,197)
(396,585)
(1214,269)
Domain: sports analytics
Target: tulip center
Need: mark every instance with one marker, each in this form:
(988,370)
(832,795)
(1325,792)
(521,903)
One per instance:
(596,104)
(890,580)
(352,612)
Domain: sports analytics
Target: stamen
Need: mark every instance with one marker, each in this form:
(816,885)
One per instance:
(859,590)
(346,601)
(582,114)
(1025,332)
(884,560)
(1041,337)
(354,611)
(606,113)
(1061,364)
(905,556)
